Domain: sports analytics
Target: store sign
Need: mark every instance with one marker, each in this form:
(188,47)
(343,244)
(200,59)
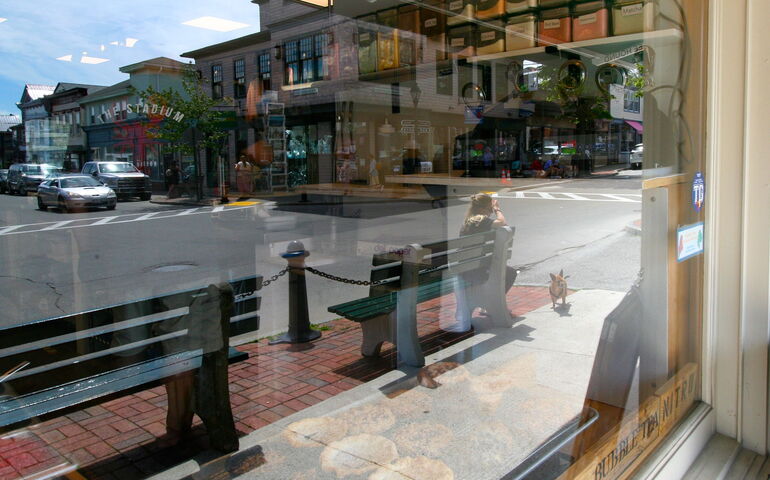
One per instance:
(638,433)
(419,127)
(620,54)
(689,241)
(142,108)
(698,191)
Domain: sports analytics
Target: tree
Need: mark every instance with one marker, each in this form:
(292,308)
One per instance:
(190,121)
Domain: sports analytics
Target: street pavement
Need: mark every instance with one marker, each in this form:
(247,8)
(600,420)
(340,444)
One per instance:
(55,263)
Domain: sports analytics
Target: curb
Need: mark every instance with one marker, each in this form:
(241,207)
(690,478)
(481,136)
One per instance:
(635,227)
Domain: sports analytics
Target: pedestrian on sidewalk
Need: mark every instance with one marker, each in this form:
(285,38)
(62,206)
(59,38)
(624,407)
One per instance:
(173,175)
(244,176)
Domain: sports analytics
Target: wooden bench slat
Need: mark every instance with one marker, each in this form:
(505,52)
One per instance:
(383,273)
(460,242)
(48,402)
(91,332)
(476,253)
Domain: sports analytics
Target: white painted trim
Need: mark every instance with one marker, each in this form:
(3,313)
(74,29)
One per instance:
(724,213)
(755,305)
(679,450)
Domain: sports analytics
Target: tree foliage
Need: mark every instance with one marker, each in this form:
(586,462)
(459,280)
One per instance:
(198,110)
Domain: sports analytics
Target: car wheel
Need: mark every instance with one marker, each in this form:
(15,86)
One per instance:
(63,204)
(146,196)
(111,207)
(40,204)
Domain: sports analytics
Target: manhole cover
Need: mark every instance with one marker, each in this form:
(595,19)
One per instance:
(178,267)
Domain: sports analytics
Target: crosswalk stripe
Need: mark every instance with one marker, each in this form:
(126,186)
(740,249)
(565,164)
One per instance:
(103,221)
(131,217)
(574,196)
(146,216)
(5,230)
(585,197)
(56,225)
(618,198)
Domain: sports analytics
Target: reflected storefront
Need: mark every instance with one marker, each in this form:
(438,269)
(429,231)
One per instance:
(428,239)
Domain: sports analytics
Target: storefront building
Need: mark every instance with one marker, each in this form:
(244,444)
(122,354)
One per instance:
(117,126)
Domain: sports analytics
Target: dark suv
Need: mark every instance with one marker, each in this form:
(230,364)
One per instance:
(25,177)
(122,177)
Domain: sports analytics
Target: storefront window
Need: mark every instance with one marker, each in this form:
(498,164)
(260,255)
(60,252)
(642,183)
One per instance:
(420,239)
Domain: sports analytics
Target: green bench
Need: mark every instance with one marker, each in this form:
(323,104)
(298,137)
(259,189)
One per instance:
(473,267)
(58,365)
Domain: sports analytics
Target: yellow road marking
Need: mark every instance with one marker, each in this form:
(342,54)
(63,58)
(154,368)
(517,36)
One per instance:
(242,204)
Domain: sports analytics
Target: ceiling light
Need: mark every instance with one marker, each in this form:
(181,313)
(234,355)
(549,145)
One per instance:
(65,58)
(216,24)
(93,60)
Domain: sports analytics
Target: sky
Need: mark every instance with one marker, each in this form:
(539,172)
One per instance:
(50,41)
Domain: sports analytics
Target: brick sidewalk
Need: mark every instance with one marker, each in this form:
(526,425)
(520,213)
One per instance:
(122,439)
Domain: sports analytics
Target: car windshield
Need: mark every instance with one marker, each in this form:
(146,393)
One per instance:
(117,168)
(76,182)
(38,169)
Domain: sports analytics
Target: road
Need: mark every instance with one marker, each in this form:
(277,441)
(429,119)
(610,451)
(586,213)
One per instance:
(53,263)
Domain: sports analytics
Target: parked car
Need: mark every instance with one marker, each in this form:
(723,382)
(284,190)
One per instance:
(69,192)
(637,156)
(122,177)
(25,177)
(3,180)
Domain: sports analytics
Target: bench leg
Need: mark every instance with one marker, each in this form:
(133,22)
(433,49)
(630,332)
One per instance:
(375,331)
(212,402)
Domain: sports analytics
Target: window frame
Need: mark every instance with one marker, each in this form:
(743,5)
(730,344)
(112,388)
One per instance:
(239,82)
(264,70)
(305,59)
(217,75)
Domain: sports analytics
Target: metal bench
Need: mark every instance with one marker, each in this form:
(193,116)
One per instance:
(420,273)
(57,365)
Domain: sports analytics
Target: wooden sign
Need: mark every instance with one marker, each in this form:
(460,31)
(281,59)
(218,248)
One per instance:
(628,443)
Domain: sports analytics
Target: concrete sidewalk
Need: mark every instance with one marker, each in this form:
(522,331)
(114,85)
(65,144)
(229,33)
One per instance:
(510,389)
(305,409)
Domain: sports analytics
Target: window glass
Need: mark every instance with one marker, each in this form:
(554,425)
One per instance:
(454,239)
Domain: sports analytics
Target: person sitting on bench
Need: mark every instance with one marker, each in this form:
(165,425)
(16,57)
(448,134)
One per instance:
(484,214)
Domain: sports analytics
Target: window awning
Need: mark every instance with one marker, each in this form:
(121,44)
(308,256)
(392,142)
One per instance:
(636,126)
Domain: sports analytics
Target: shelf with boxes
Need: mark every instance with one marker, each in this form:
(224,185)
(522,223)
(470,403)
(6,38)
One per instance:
(597,51)
(432,30)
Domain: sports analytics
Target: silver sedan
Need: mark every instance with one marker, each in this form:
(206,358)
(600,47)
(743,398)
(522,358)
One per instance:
(73,192)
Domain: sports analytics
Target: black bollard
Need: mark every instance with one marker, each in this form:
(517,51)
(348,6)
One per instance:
(299,319)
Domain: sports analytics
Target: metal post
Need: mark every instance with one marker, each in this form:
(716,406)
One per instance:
(299,319)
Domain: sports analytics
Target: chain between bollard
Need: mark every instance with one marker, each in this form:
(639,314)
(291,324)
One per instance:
(329,276)
(275,277)
(364,283)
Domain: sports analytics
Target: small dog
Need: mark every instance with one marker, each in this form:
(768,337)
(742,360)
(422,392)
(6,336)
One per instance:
(558,288)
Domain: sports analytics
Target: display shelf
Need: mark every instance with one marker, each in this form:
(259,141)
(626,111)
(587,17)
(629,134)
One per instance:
(600,50)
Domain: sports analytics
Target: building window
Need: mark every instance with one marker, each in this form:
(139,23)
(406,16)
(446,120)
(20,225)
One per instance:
(305,59)
(263,68)
(216,81)
(239,78)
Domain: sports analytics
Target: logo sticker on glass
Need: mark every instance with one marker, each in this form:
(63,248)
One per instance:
(698,191)
(689,241)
